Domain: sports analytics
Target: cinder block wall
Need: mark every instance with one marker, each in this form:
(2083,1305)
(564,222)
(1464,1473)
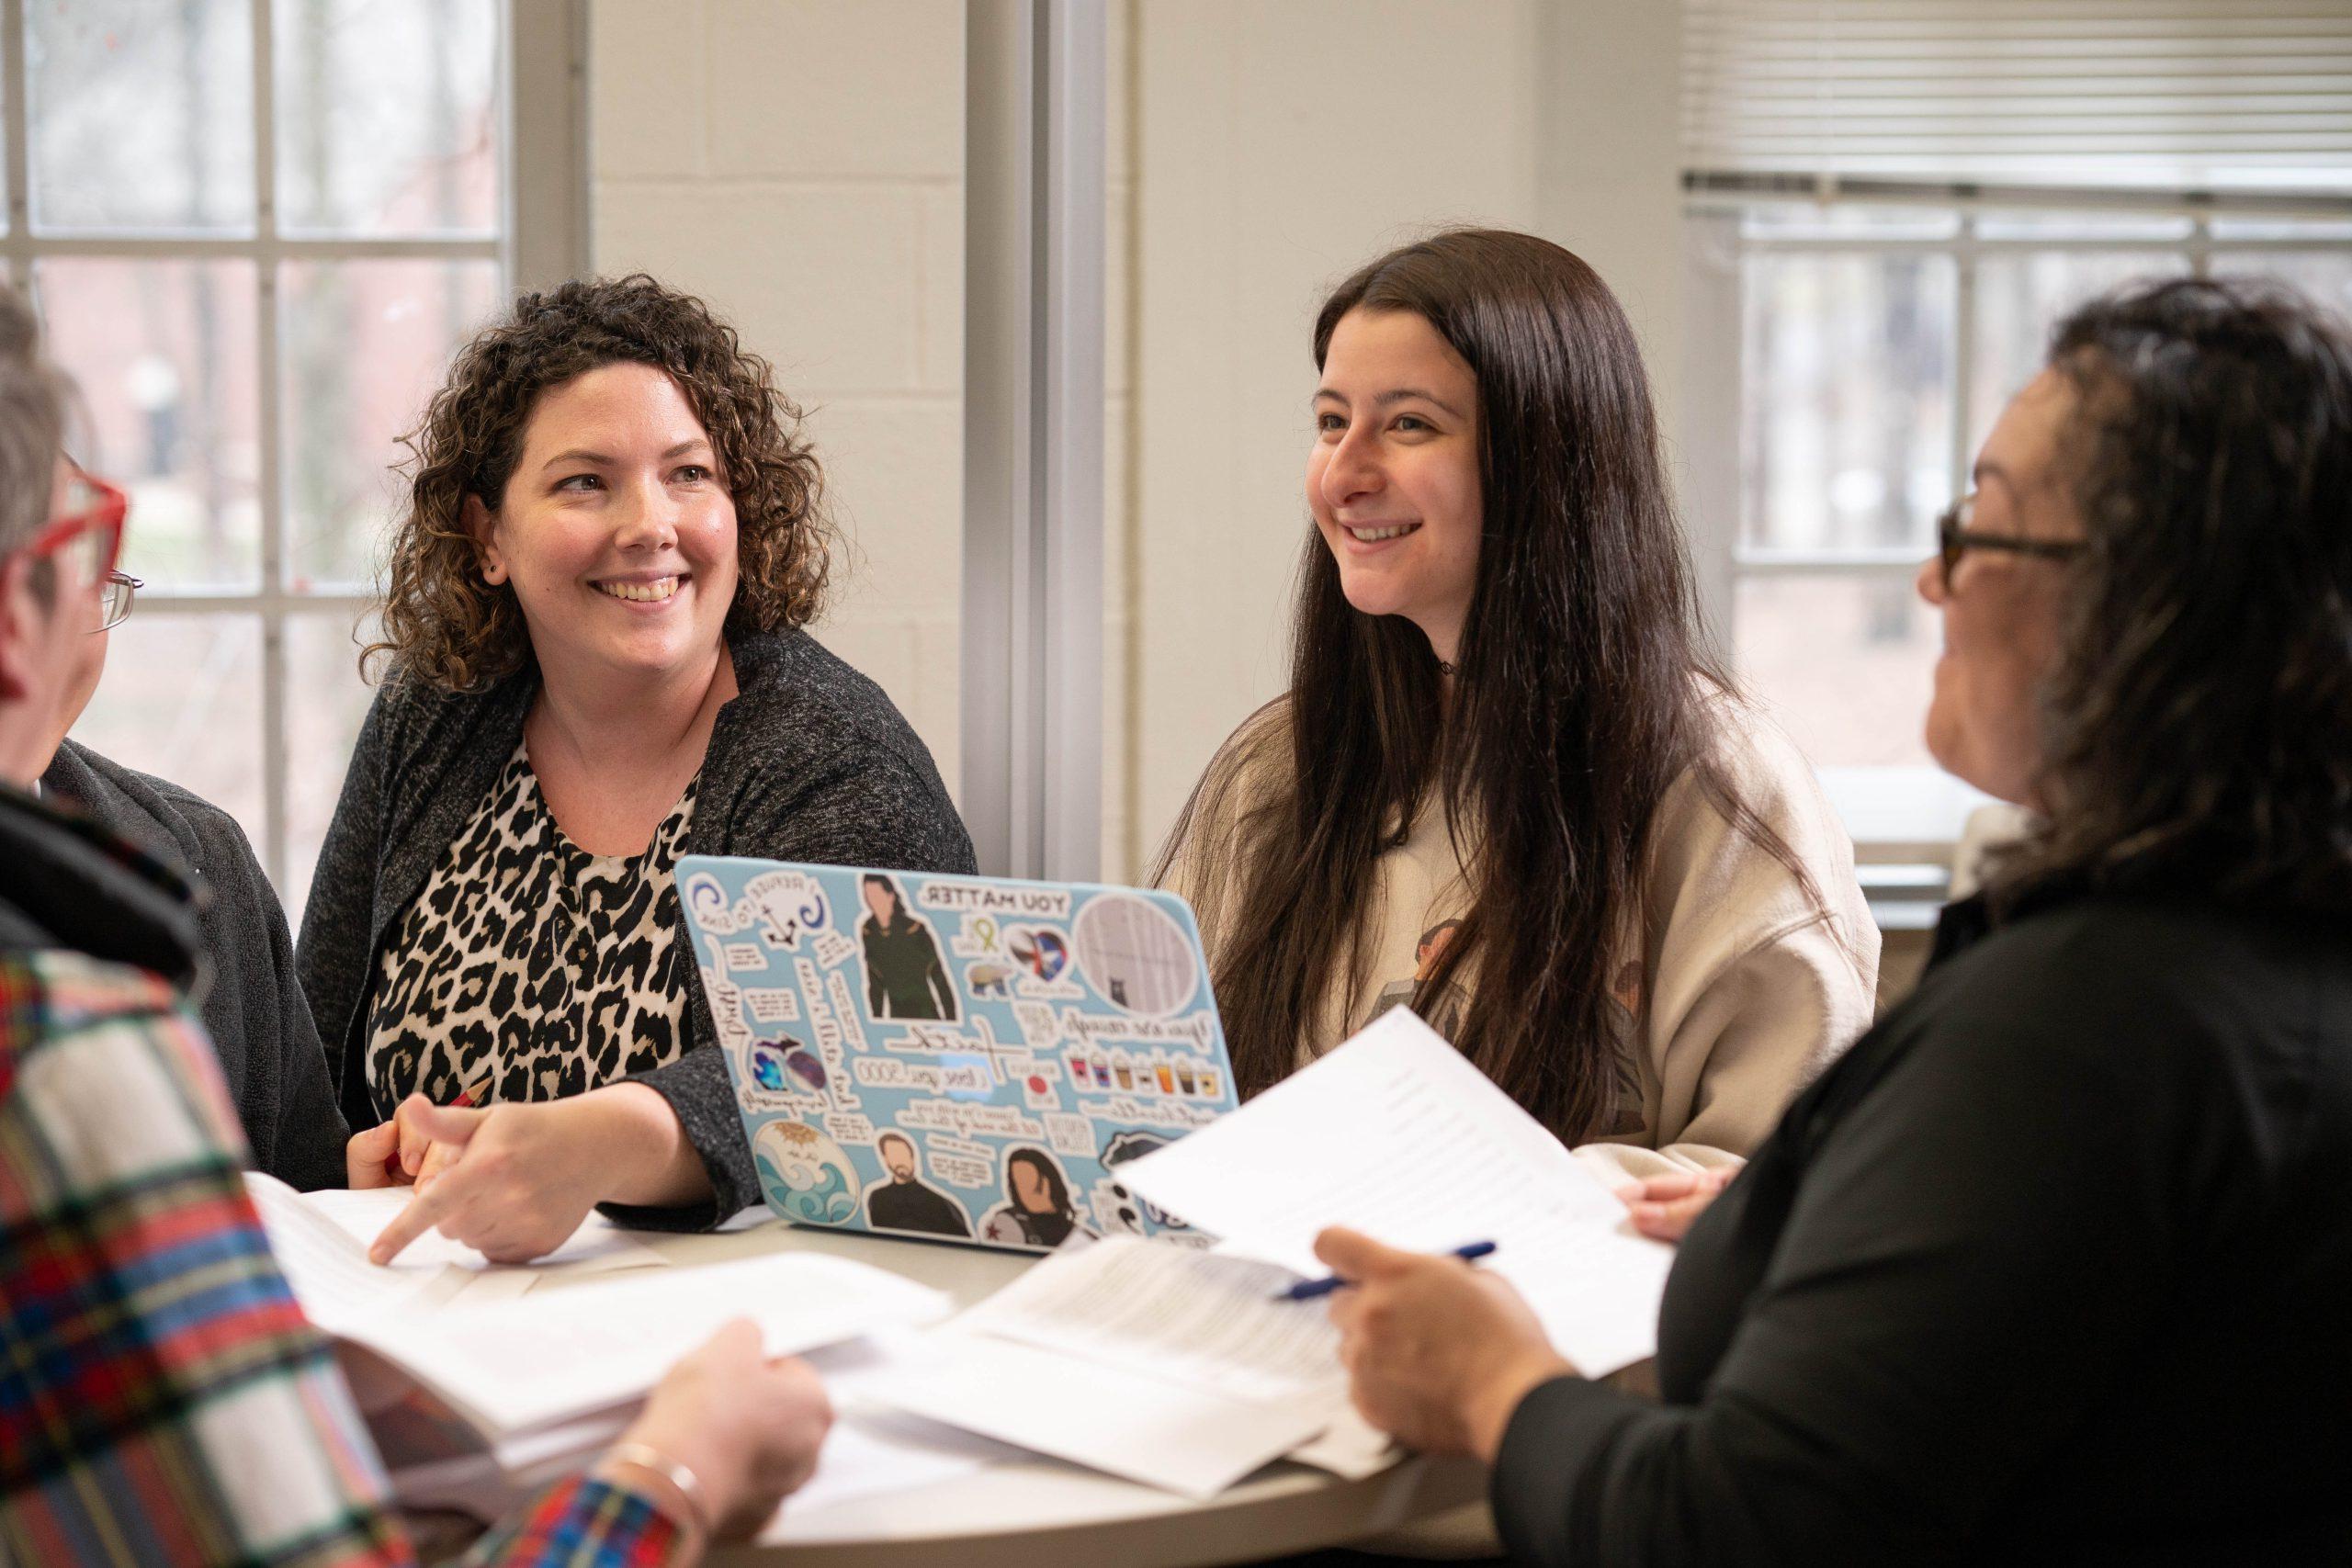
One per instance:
(800,164)
(799,161)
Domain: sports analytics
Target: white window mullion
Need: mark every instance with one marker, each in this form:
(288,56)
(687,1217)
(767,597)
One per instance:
(269,249)
(201,603)
(539,224)
(13,87)
(269,387)
(1963,364)
(1896,563)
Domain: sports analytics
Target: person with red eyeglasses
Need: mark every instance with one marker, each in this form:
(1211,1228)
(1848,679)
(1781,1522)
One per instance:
(55,585)
(254,1011)
(161,1397)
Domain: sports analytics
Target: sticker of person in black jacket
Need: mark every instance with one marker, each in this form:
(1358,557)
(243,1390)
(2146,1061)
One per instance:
(1036,1211)
(904,977)
(903,1203)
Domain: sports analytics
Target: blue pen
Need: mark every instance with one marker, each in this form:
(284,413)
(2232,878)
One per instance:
(1307,1290)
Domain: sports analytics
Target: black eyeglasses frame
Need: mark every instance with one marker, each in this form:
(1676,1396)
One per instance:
(1955,539)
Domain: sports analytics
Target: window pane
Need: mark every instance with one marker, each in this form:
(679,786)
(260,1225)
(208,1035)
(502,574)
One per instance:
(386,120)
(2042,225)
(2326,276)
(325,701)
(1846,401)
(1844,662)
(163,352)
(181,699)
(2019,298)
(2318,231)
(142,115)
(1846,220)
(366,343)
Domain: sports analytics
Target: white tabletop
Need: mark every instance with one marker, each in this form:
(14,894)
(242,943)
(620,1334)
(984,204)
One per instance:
(1040,1513)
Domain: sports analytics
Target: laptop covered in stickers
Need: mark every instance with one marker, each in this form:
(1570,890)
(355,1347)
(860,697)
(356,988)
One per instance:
(958,1058)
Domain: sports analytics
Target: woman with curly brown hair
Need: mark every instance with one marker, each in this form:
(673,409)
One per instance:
(614,536)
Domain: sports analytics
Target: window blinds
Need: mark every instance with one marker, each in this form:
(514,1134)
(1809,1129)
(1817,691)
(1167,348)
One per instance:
(2227,95)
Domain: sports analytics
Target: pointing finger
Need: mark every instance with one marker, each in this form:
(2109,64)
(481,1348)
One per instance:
(423,1211)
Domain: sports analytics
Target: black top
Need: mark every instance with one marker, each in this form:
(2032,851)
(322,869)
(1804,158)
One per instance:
(912,1206)
(808,762)
(2054,1265)
(904,977)
(253,1010)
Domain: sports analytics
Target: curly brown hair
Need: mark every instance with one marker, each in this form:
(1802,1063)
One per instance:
(442,624)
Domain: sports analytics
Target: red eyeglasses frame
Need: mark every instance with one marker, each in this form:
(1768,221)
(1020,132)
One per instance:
(109,512)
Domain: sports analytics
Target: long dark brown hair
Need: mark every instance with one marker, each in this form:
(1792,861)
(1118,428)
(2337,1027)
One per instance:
(2197,730)
(1578,698)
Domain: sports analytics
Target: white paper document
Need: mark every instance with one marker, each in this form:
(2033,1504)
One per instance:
(874,1451)
(1396,1135)
(1126,1423)
(558,1354)
(1181,1315)
(1351,1448)
(320,1240)
(598,1245)
(329,1272)
(1156,1363)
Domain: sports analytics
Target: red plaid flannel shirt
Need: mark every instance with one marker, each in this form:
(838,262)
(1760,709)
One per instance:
(161,1397)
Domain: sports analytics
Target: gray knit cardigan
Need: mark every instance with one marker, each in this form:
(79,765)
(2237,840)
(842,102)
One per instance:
(255,1012)
(810,761)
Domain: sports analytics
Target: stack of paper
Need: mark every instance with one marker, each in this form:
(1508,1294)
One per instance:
(543,1383)
(874,1450)
(473,1404)
(1142,1359)
(1396,1135)
(321,1240)
(597,1246)
(1187,1371)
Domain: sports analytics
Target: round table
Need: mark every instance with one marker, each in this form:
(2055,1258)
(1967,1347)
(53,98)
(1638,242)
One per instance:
(1041,1513)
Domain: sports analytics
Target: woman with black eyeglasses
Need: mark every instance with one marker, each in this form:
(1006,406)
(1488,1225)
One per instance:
(2054,1265)
(254,1011)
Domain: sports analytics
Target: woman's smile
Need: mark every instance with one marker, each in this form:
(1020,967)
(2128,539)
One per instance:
(640,590)
(1378,533)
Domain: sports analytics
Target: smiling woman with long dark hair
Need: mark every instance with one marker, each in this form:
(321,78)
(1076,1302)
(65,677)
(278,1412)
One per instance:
(1502,715)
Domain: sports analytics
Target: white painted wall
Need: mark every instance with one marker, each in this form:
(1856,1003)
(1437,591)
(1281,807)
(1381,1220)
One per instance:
(1280,146)
(800,162)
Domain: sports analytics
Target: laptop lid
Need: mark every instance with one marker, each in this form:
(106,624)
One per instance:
(961,1058)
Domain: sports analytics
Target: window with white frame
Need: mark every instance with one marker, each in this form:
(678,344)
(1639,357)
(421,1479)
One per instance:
(254,230)
(1876,345)
(1891,203)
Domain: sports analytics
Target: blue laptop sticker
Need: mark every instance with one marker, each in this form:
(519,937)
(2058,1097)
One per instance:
(962,1058)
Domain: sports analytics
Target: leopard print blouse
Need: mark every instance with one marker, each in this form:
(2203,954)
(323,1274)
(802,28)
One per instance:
(528,968)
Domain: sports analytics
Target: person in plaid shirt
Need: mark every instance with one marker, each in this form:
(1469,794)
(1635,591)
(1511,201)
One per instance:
(161,1397)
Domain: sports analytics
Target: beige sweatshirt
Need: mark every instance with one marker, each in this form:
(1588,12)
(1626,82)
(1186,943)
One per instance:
(1734,992)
